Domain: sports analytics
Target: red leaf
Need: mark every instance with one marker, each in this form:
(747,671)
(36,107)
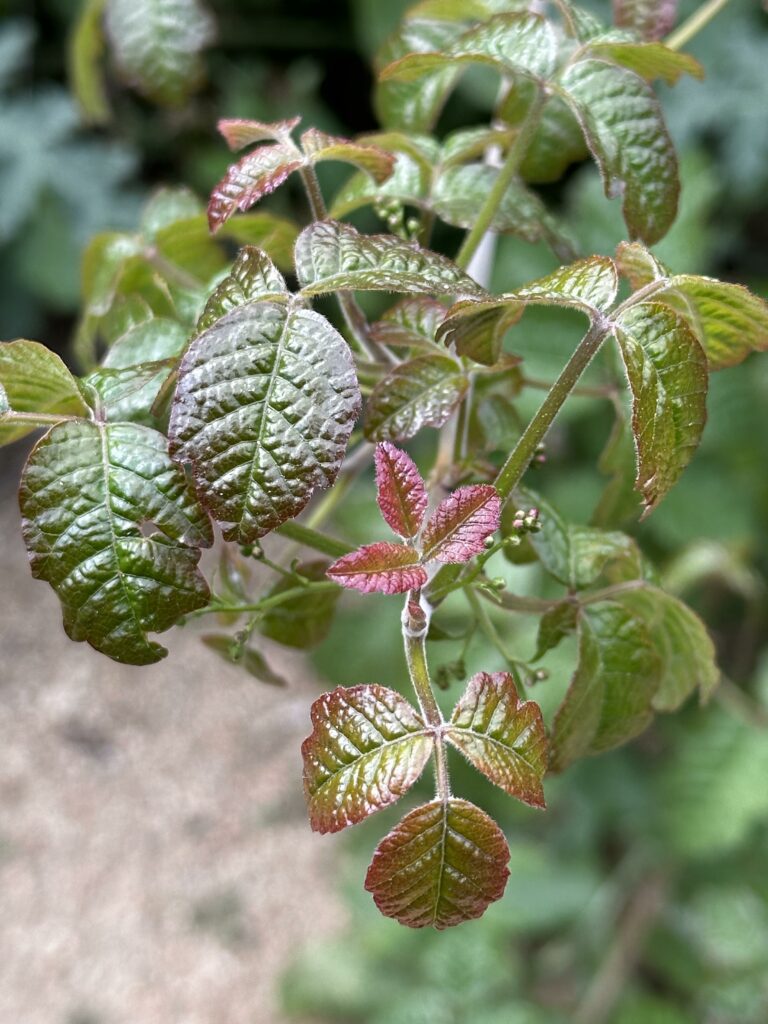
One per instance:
(402,495)
(256,175)
(239,133)
(383,567)
(461,522)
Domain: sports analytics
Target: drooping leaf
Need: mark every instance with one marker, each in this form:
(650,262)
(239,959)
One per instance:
(422,392)
(264,406)
(319,146)
(651,19)
(383,567)
(619,502)
(681,641)
(444,863)
(111,524)
(502,736)
(253,277)
(554,625)
(331,256)
(557,143)
(239,132)
(460,524)
(254,176)
(157,45)
(638,265)
(34,379)
(126,395)
(304,620)
(410,323)
(367,747)
(667,373)
(400,490)
(86,52)
(610,697)
(649,60)
(625,131)
(231,649)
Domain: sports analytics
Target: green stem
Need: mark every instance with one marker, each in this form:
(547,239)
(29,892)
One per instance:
(319,586)
(40,419)
(519,603)
(693,25)
(314,539)
(505,177)
(488,629)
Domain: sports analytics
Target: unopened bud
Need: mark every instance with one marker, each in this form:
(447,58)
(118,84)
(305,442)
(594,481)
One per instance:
(499,583)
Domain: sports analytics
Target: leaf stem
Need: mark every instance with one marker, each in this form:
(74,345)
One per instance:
(488,629)
(505,177)
(316,586)
(42,419)
(314,539)
(693,25)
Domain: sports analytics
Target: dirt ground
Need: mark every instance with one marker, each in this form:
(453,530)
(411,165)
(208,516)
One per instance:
(156,866)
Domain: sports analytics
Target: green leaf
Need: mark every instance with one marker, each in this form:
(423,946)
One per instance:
(86,52)
(157,339)
(554,625)
(111,524)
(443,864)
(231,649)
(649,60)
(502,736)
(264,406)
(577,555)
(667,373)
(410,323)
(625,131)
(319,146)
(557,143)
(422,392)
(303,621)
(367,748)
(276,236)
(651,19)
(639,265)
(619,501)
(253,278)
(126,395)
(34,380)
(610,697)
(331,256)
(157,45)
(513,44)
(409,184)
(681,641)
(254,176)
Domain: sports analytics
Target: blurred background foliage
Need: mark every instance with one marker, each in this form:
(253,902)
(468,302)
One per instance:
(641,896)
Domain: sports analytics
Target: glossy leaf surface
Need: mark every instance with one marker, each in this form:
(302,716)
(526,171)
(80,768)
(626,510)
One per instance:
(624,128)
(34,379)
(667,373)
(319,146)
(422,392)
(264,406)
(367,747)
(253,277)
(502,736)
(254,176)
(410,323)
(157,45)
(111,524)
(331,256)
(400,490)
(443,864)
(460,524)
(383,567)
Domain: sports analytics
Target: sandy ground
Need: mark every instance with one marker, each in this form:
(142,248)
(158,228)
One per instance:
(155,862)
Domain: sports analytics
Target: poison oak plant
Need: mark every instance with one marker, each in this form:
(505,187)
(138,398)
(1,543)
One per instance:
(216,394)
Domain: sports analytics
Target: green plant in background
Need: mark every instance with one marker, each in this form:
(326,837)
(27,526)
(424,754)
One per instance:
(214,391)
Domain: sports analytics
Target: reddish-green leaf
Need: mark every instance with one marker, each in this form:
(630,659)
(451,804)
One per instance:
(420,393)
(638,264)
(610,699)
(319,146)
(331,256)
(112,525)
(651,19)
(667,373)
(304,620)
(410,323)
(383,567)
(367,747)
(625,131)
(34,379)
(444,863)
(253,277)
(401,493)
(240,133)
(502,736)
(256,175)
(460,524)
(649,60)
(264,406)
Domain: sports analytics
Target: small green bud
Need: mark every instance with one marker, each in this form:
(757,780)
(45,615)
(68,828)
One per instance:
(499,583)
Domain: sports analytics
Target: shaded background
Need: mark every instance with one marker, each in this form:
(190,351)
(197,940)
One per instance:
(155,863)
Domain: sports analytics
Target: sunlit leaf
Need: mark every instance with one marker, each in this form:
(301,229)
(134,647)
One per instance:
(625,131)
(111,524)
(331,256)
(610,697)
(157,45)
(667,373)
(502,736)
(253,277)
(400,490)
(34,379)
(460,524)
(254,176)
(444,863)
(422,392)
(367,747)
(651,19)
(383,567)
(264,406)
